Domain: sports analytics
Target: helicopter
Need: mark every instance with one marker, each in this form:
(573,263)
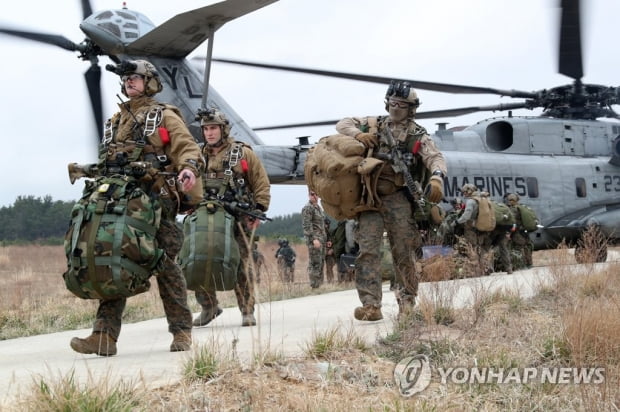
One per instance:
(125,34)
(285,163)
(564,163)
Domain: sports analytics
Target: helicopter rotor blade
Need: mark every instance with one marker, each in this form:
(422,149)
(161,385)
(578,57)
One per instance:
(87,10)
(53,39)
(93,83)
(420,115)
(432,86)
(570,59)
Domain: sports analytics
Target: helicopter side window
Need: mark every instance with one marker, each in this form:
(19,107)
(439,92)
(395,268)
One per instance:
(532,186)
(580,187)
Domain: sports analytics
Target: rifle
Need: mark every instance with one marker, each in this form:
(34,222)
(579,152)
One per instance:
(244,208)
(397,159)
(234,207)
(133,169)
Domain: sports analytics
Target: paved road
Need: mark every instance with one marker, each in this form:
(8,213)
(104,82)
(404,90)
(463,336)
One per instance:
(283,326)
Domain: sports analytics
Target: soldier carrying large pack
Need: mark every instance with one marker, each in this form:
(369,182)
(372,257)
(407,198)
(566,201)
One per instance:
(405,169)
(236,196)
(148,164)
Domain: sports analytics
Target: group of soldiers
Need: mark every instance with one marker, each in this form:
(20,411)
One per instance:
(508,240)
(412,168)
(145,130)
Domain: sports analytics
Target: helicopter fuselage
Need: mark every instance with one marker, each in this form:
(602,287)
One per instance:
(559,167)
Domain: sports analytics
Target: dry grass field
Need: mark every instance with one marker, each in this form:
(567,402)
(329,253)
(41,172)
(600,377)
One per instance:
(571,322)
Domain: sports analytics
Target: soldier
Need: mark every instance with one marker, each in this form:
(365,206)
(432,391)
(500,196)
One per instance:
(520,237)
(500,238)
(313,224)
(476,239)
(330,258)
(142,118)
(285,258)
(259,261)
(233,172)
(394,138)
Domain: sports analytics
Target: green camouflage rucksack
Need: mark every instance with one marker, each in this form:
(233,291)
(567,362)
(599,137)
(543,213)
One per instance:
(503,214)
(210,256)
(110,245)
(529,220)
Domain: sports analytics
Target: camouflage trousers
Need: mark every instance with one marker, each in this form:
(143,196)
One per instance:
(244,288)
(396,218)
(522,242)
(286,271)
(330,262)
(501,239)
(477,248)
(171,283)
(316,261)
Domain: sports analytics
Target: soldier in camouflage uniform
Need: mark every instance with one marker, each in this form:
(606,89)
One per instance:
(330,258)
(176,148)
(478,241)
(426,166)
(313,224)
(247,182)
(285,258)
(520,237)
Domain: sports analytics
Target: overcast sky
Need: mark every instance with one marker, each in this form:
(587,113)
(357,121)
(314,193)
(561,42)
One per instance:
(46,117)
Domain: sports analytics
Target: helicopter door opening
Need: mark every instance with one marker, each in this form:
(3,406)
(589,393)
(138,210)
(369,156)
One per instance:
(500,136)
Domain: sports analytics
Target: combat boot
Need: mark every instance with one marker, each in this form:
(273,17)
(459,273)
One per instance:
(248,319)
(98,342)
(206,316)
(368,312)
(181,341)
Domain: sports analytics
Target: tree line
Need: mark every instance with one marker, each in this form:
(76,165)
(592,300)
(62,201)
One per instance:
(42,219)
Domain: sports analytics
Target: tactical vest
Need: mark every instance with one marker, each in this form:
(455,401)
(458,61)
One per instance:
(146,145)
(391,180)
(230,184)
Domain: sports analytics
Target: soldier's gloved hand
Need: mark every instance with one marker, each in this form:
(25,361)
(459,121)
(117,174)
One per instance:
(368,139)
(434,189)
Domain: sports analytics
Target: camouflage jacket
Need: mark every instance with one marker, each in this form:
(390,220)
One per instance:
(313,222)
(179,145)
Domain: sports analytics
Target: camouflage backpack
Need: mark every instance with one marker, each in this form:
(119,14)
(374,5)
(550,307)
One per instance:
(210,254)
(110,245)
(529,220)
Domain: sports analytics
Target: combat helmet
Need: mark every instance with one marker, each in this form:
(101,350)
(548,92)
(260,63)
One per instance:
(152,82)
(213,116)
(468,189)
(401,91)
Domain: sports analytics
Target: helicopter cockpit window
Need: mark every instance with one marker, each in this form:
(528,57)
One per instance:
(580,187)
(532,186)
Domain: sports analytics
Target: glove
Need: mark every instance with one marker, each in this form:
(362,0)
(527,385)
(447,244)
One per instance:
(368,139)
(434,189)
